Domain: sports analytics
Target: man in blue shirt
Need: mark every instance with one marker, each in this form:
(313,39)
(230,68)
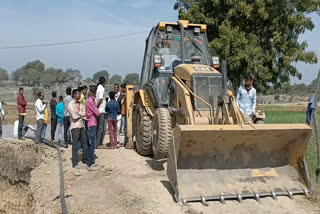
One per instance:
(112,110)
(246,97)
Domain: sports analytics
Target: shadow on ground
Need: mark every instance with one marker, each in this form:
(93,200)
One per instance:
(156,165)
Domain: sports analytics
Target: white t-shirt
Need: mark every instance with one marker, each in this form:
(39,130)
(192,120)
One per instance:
(40,108)
(99,96)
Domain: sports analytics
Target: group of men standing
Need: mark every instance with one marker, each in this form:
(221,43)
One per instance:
(82,116)
(106,112)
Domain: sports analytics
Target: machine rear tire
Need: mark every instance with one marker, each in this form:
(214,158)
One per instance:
(161,133)
(143,131)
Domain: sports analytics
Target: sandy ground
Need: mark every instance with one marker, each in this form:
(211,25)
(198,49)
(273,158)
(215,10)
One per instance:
(129,183)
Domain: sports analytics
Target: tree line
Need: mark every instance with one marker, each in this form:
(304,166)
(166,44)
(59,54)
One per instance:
(256,37)
(301,89)
(35,74)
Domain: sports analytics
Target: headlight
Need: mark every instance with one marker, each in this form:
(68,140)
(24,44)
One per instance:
(157,59)
(215,60)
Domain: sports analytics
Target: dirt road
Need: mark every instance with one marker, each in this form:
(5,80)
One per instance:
(129,183)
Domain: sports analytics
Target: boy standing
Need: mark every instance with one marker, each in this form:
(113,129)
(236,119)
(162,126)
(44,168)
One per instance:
(112,109)
(92,116)
(60,116)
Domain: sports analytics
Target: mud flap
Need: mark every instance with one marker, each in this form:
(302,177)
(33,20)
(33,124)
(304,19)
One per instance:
(219,162)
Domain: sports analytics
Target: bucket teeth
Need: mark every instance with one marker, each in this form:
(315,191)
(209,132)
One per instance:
(274,195)
(257,197)
(222,200)
(239,198)
(203,201)
(306,192)
(290,194)
(184,202)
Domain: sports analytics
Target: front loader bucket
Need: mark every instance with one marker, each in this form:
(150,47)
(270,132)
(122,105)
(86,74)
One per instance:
(219,162)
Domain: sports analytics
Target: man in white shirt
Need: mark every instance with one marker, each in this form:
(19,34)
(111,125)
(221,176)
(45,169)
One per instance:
(101,104)
(247,97)
(40,107)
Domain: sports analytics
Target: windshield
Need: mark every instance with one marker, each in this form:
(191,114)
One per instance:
(170,50)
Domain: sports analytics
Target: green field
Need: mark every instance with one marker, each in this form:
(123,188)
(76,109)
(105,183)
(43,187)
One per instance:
(293,114)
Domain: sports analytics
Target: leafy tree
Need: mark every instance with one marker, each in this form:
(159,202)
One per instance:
(17,75)
(300,89)
(29,74)
(131,79)
(89,81)
(73,75)
(286,88)
(103,73)
(115,79)
(48,79)
(62,77)
(58,75)
(259,37)
(31,77)
(36,65)
(4,76)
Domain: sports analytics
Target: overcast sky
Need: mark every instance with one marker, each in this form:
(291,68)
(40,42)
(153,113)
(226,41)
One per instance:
(25,22)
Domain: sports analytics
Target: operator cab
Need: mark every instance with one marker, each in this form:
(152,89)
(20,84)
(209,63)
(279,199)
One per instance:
(168,49)
(164,51)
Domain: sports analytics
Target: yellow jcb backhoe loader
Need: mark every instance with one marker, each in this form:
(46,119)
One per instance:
(183,111)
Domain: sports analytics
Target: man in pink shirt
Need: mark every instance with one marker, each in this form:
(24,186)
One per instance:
(78,131)
(92,116)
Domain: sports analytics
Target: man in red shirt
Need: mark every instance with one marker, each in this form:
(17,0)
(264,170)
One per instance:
(22,105)
(92,116)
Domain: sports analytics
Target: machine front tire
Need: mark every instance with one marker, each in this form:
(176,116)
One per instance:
(143,131)
(161,133)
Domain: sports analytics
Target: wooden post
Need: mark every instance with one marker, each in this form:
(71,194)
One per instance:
(317,132)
